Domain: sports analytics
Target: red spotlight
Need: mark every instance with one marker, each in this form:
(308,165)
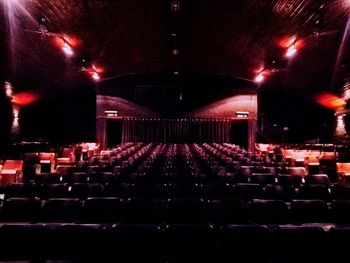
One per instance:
(94,72)
(66,44)
(291,51)
(291,44)
(67,49)
(259,78)
(24,98)
(261,74)
(331,101)
(287,41)
(95,76)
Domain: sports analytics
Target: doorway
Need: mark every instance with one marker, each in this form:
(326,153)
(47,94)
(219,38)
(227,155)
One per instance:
(114,132)
(239,133)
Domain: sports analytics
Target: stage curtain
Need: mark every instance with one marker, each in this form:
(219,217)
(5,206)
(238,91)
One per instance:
(178,130)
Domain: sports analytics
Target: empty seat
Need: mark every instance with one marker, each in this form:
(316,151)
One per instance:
(313,168)
(272,170)
(269,212)
(93,169)
(227,211)
(77,177)
(321,179)
(84,190)
(336,241)
(64,169)
(21,190)
(247,170)
(309,211)
(184,190)
(248,191)
(67,156)
(48,178)
(185,211)
(281,192)
(102,177)
(244,243)
(11,172)
(313,191)
(340,191)
(235,178)
(343,171)
(66,210)
(21,210)
(189,243)
(216,191)
(78,242)
(341,211)
(146,241)
(54,190)
(297,171)
(103,210)
(144,211)
(151,190)
(126,190)
(154,178)
(81,166)
(263,178)
(47,162)
(20,241)
(287,179)
(30,160)
(312,244)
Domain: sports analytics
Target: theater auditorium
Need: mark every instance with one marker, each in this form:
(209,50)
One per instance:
(174,131)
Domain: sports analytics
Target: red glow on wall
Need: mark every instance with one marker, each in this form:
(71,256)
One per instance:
(24,98)
(71,40)
(94,71)
(331,101)
(97,69)
(288,41)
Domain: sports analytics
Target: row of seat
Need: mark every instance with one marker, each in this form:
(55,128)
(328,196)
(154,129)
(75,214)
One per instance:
(47,162)
(182,175)
(206,191)
(174,211)
(177,243)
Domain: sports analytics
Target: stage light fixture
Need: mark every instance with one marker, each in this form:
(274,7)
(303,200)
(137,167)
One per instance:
(94,72)
(259,78)
(67,49)
(291,51)
(95,76)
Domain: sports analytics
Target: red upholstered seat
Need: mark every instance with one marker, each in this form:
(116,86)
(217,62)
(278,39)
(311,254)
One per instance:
(11,172)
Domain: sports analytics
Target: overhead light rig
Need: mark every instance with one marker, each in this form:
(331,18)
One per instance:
(292,44)
(93,71)
(67,45)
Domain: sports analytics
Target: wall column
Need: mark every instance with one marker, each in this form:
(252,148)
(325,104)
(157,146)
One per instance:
(101,132)
(252,133)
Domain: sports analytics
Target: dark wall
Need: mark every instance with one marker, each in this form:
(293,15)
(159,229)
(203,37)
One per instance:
(62,118)
(173,96)
(306,119)
(5,121)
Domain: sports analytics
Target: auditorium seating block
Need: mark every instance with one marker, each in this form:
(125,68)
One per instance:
(173,203)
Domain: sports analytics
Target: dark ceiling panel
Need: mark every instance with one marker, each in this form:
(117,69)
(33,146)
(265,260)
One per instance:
(223,36)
